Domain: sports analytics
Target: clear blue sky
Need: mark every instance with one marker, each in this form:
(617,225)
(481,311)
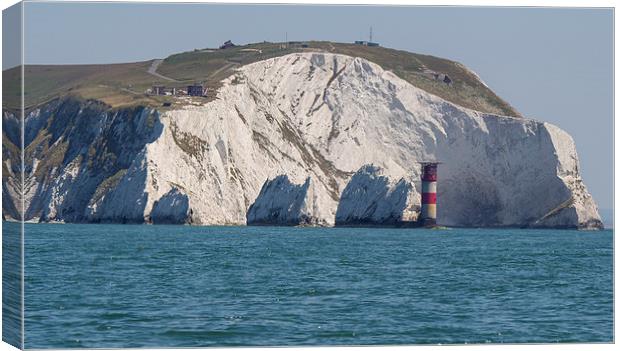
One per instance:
(552,64)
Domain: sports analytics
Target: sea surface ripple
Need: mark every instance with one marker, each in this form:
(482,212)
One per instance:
(108,286)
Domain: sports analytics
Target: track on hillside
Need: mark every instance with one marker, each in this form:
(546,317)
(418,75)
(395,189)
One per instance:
(153,71)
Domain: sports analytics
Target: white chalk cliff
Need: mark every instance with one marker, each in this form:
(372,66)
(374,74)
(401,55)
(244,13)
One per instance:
(289,141)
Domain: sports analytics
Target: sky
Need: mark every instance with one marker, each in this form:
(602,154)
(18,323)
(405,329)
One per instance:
(551,64)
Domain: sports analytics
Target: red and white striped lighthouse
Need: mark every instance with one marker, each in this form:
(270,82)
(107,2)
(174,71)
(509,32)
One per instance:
(428,214)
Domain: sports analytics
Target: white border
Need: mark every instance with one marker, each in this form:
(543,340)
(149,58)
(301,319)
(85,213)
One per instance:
(505,3)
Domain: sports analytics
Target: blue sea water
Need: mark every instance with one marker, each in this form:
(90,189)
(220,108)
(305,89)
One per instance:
(110,286)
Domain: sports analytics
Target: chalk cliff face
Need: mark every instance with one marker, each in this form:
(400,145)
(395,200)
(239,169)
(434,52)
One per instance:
(291,140)
(281,202)
(76,153)
(372,198)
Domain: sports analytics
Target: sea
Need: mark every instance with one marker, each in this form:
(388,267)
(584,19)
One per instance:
(113,286)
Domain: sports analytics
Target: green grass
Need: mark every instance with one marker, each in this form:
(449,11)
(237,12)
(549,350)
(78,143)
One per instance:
(107,184)
(122,85)
(54,154)
(116,85)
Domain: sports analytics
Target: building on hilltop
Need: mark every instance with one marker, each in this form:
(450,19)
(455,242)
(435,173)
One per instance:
(369,42)
(297,44)
(196,90)
(227,44)
(366,43)
(442,77)
(158,90)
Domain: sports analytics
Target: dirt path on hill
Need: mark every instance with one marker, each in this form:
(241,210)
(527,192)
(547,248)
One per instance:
(226,66)
(153,71)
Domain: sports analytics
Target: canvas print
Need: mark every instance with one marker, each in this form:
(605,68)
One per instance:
(215,175)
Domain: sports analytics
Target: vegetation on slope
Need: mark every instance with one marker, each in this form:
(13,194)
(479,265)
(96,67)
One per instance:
(121,85)
(115,84)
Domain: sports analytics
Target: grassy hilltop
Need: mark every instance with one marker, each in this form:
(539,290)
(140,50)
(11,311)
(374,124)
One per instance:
(122,85)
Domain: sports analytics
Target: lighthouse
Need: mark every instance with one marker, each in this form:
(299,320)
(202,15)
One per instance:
(428,213)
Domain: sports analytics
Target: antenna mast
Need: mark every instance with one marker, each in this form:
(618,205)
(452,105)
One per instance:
(370,34)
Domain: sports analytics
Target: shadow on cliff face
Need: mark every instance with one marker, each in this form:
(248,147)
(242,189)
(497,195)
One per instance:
(11,165)
(280,202)
(9,210)
(172,208)
(73,149)
(121,201)
(510,175)
(475,203)
(369,199)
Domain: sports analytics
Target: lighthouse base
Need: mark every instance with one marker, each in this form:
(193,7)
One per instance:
(427,222)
